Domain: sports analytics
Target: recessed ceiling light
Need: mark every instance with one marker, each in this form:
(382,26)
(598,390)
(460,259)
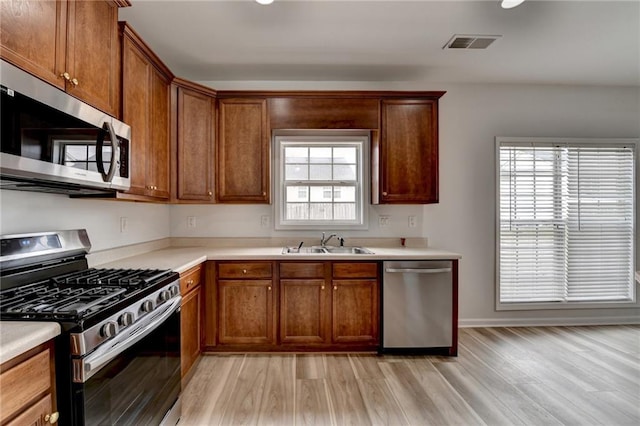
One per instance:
(510,4)
(264,1)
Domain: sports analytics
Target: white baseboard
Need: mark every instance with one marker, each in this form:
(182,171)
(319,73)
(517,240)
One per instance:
(558,321)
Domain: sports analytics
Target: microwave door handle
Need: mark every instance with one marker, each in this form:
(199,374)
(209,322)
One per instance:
(107,128)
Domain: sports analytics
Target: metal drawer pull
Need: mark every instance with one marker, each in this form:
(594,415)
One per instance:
(52,418)
(244,271)
(418,270)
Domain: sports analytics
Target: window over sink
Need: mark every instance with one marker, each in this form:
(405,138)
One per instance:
(320,180)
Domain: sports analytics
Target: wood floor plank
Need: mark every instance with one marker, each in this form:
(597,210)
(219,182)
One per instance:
(448,402)
(310,366)
(277,403)
(207,393)
(346,403)
(312,403)
(382,407)
(366,367)
(417,406)
(244,401)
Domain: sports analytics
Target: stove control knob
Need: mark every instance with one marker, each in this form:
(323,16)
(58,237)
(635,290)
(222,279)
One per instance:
(174,290)
(108,330)
(125,319)
(164,296)
(147,306)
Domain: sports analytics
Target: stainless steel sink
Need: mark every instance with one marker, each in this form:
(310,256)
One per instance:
(328,250)
(303,250)
(348,250)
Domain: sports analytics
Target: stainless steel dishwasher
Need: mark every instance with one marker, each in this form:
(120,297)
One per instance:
(419,310)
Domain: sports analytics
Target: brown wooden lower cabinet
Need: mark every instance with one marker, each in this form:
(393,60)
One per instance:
(27,388)
(280,306)
(190,318)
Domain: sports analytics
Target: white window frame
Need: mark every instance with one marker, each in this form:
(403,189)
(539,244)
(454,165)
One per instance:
(502,306)
(321,138)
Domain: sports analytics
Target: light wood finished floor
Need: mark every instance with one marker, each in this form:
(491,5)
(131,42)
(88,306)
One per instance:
(502,376)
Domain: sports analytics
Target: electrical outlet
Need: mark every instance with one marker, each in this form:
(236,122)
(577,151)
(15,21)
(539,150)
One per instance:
(412,221)
(191,221)
(124,225)
(264,221)
(383,221)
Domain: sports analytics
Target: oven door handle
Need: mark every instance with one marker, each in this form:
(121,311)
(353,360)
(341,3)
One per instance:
(94,362)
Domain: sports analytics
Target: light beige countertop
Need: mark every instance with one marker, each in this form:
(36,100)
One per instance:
(181,259)
(17,337)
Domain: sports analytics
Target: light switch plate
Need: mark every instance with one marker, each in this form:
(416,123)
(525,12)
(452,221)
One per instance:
(383,221)
(191,221)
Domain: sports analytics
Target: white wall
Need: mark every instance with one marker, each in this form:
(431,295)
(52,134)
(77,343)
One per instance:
(32,212)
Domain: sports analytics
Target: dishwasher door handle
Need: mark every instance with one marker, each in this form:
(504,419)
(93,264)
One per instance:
(418,270)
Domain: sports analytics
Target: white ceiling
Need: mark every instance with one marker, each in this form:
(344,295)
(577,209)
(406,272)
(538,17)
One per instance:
(543,42)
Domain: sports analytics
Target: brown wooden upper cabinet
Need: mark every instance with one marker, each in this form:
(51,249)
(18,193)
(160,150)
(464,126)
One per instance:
(195,142)
(145,107)
(70,44)
(405,158)
(243,160)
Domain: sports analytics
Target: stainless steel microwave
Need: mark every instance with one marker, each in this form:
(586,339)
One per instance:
(53,142)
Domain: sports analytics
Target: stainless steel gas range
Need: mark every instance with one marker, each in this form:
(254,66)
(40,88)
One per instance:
(118,357)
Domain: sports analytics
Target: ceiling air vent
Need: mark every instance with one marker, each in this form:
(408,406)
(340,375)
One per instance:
(460,41)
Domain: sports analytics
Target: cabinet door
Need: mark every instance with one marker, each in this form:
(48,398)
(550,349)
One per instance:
(158,152)
(33,37)
(355,311)
(303,311)
(195,145)
(409,152)
(246,312)
(35,415)
(190,328)
(136,72)
(243,151)
(92,53)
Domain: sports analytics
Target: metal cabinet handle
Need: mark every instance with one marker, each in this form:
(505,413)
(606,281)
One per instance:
(384,193)
(269,288)
(244,271)
(189,282)
(52,418)
(321,287)
(209,193)
(74,81)
(66,76)
(335,287)
(418,270)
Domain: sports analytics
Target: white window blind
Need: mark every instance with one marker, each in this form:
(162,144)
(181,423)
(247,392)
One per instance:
(566,222)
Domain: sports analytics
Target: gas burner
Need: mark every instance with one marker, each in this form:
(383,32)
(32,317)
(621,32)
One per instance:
(115,277)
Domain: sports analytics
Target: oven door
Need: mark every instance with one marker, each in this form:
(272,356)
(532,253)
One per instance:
(134,378)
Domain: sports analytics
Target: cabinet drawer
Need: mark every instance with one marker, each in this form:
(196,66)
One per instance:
(355,270)
(26,380)
(190,279)
(302,270)
(245,270)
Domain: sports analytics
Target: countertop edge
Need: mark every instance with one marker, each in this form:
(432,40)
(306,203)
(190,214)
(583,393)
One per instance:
(18,337)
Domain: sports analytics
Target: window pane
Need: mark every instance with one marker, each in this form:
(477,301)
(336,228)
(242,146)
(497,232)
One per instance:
(344,211)
(297,194)
(344,155)
(320,211)
(344,194)
(318,172)
(320,155)
(296,155)
(344,172)
(75,153)
(321,194)
(296,172)
(297,211)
